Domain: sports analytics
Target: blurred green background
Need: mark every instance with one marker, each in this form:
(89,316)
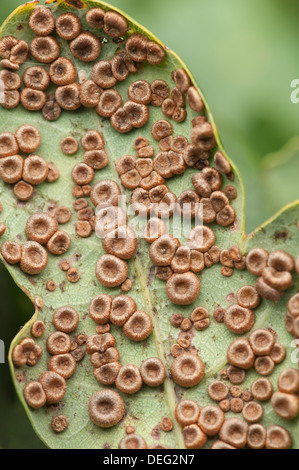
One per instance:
(244,56)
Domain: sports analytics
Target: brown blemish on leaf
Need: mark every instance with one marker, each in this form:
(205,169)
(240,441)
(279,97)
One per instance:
(20,377)
(32,281)
(145,344)
(106,446)
(156,433)
(20,27)
(281,235)
(177,393)
(274,333)
(231,297)
(235,226)
(78,256)
(51,207)
(193,348)
(55,407)
(38,303)
(62,286)
(187,334)
(23,203)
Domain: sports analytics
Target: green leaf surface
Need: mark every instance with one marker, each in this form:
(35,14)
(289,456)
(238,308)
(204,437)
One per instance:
(145,409)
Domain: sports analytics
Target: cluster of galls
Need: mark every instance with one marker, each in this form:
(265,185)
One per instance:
(143,174)
(41,229)
(187,368)
(199,424)
(118,239)
(239,318)
(199,319)
(172,102)
(146,177)
(63,356)
(13,52)
(176,263)
(173,264)
(256,351)
(233,398)
(274,270)
(275,277)
(285,401)
(216,203)
(104,356)
(24,173)
(262,352)
(230,260)
(233,433)
(86,47)
(95,158)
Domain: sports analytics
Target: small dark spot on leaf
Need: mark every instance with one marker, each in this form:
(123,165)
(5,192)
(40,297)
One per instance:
(106,445)
(55,407)
(62,286)
(51,206)
(235,226)
(177,393)
(32,281)
(20,377)
(231,297)
(20,27)
(187,334)
(274,333)
(281,235)
(156,433)
(23,203)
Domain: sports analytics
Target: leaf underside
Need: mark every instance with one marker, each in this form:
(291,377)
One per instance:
(145,409)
